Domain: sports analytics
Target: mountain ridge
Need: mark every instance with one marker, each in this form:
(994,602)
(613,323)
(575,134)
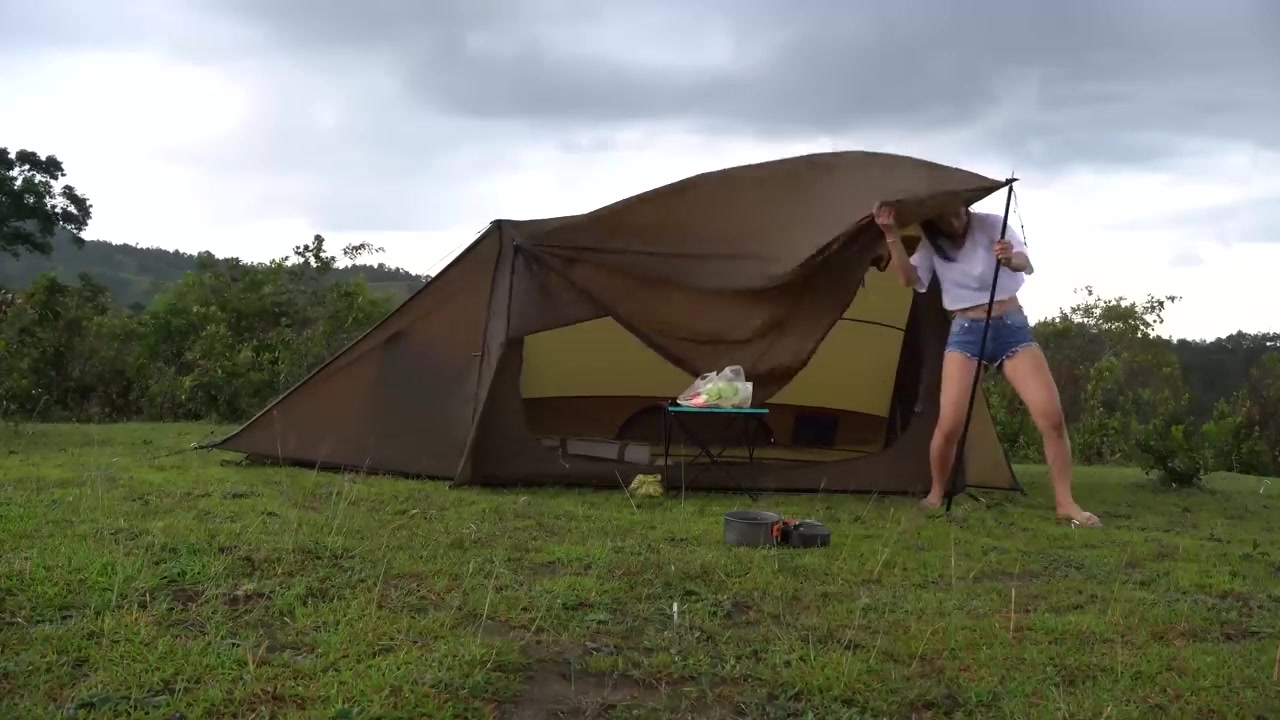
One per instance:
(136,274)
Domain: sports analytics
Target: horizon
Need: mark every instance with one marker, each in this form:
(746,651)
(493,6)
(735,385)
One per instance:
(373,262)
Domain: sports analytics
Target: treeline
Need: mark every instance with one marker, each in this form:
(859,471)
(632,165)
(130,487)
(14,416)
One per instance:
(230,336)
(1177,408)
(136,275)
(216,345)
(214,342)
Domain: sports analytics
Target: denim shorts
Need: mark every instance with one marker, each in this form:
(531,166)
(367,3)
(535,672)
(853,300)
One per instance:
(1010,332)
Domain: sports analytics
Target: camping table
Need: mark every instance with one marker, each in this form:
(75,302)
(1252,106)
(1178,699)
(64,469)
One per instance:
(673,417)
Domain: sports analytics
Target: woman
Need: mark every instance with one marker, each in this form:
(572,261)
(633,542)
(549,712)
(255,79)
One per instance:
(958,250)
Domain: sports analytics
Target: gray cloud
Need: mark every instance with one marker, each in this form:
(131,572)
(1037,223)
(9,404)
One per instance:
(360,106)
(1045,80)
(1041,86)
(1251,220)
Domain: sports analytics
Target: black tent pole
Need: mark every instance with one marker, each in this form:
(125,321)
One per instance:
(982,350)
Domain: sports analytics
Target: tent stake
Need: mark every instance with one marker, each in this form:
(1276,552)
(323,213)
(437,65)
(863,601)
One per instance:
(982,351)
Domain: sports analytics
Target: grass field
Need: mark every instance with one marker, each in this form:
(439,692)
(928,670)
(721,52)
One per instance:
(178,587)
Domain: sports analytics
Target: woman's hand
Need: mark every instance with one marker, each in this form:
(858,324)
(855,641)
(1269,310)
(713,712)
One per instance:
(885,219)
(884,216)
(1004,252)
(1015,261)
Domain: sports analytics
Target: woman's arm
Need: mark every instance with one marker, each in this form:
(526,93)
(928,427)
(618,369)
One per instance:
(900,261)
(1012,252)
(915,271)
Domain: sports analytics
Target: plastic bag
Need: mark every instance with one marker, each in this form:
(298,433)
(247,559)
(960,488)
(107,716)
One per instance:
(647,486)
(728,388)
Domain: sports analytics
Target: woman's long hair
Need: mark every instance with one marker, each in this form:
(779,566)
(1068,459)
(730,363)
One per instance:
(937,239)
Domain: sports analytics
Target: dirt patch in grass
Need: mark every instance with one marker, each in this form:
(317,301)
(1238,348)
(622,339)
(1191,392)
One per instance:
(557,685)
(944,703)
(1240,633)
(734,612)
(245,599)
(238,495)
(547,570)
(557,689)
(185,597)
(93,704)
(498,630)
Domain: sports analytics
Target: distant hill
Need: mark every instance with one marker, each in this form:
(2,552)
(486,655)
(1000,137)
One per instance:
(135,275)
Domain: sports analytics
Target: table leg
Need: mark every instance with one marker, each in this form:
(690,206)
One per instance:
(749,433)
(675,422)
(666,447)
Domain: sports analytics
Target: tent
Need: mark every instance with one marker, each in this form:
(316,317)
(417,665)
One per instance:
(542,353)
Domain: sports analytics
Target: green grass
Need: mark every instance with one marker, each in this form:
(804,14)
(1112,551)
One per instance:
(179,587)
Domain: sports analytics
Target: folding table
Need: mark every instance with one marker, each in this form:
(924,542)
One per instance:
(673,417)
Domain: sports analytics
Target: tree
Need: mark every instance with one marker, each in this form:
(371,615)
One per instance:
(64,352)
(1215,369)
(218,344)
(1244,433)
(32,208)
(1115,376)
(231,335)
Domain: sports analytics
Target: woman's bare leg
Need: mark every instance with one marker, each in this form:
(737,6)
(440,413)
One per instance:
(1028,373)
(957,376)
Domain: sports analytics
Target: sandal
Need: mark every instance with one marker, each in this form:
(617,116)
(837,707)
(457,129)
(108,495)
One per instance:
(1087,519)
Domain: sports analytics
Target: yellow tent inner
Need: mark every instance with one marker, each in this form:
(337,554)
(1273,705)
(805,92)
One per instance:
(590,379)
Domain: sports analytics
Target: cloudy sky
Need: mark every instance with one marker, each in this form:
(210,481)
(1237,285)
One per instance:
(1145,132)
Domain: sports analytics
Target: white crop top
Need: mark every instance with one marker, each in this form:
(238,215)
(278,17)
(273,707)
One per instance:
(966,279)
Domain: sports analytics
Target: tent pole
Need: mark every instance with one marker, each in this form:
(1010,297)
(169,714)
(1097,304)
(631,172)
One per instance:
(977,369)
